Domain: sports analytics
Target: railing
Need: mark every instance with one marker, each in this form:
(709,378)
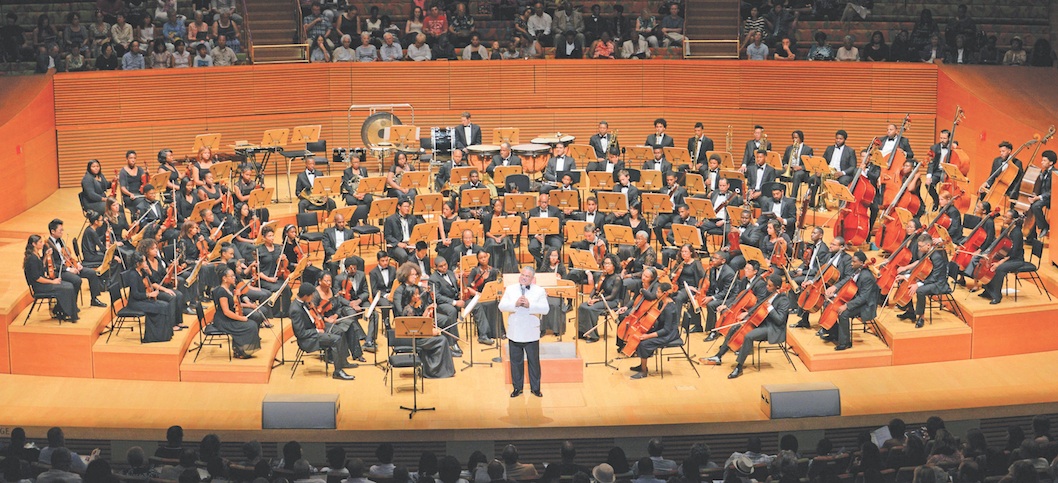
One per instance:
(688,50)
(302,48)
(248,30)
(299,20)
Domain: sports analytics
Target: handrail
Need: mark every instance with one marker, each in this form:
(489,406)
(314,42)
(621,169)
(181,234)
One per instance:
(248,30)
(299,19)
(305,58)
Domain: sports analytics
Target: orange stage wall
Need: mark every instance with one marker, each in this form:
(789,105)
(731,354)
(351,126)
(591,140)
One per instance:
(28,154)
(100,115)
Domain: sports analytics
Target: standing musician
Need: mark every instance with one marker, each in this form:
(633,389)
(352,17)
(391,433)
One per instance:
(834,256)
(201,164)
(444,173)
(467,134)
(397,230)
(505,158)
(333,238)
(778,207)
(893,140)
(634,264)
(557,164)
(525,302)
(351,177)
(555,319)
(752,146)
(665,331)
(659,139)
(270,257)
(445,285)
(383,280)
(773,329)
(720,293)
(605,296)
(683,217)
(624,185)
(94,187)
(42,276)
(157,271)
(234,319)
(161,317)
(339,316)
(499,245)
(1041,194)
(697,146)
(167,164)
(677,194)
(611,163)
(935,283)
(401,165)
(999,165)
(758,177)
(244,185)
(647,290)
(721,198)
(863,305)
(191,248)
(934,172)
(131,181)
(484,312)
(412,300)
(69,269)
(601,141)
(686,271)
(791,160)
(1013,262)
(312,338)
(303,187)
(841,159)
(537,242)
(659,163)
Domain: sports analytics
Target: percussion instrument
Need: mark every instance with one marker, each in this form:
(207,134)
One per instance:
(480,155)
(534,156)
(441,139)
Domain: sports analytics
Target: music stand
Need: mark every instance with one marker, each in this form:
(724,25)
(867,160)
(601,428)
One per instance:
(687,235)
(815,166)
(774,159)
(475,198)
(566,199)
(639,153)
(371,185)
(492,292)
(345,211)
(502,135)
(543,226)
(574,230)
(460,175)
(459,226)
(750,252)
(838,190)
(518,202)
(403,137)
(428,204)
(650,180)
(583,260)
(425,232)
(211,141)
(273,140)
(161,180)
(600,180)
(259,198)
(952,171)
(222,171)
(414,180)
(196,212)
(467,262)
(695,184)
(701,208)
(727,161)
(325,186)
(414,328)
(108,258)
(381,208)
(655,203)
(500,174)
(215,252)
(506,225)
(345,250)
(305,134)
(619,235)
(581,151)
(678,157)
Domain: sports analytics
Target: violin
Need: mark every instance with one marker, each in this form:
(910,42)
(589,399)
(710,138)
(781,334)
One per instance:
(170,217)
(143,180)
(114,184)
(842,296)
(203,247)
(147,285)
(346,290)
(778,253)
(227,205)
(965,254)
(918,274)
(69,258)
(676,275)
(170,273)
(854,217)
(317,318)
(283,266)
(255,228)
(898,258)
(756,316)
(478,283)
(49,264)
(639,322)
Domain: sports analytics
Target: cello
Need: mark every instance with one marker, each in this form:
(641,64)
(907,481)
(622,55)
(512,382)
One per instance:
(854,220)
(639,322)
(891,170)
(942,220)
(888,232)
(966,252)
(917,274)
(755,317)
(983,272)
(745,300)
(900,257)
(812,297)
(996,195)
(842,296)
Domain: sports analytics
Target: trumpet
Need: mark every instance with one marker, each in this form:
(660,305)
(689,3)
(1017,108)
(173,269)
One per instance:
(612,139)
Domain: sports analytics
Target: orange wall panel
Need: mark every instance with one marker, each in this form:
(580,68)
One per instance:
(29,150)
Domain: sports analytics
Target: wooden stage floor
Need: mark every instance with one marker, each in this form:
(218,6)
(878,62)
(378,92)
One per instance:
(940,376)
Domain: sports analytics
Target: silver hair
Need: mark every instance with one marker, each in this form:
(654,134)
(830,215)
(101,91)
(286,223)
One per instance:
(346,37)
(530,269)
(642,232)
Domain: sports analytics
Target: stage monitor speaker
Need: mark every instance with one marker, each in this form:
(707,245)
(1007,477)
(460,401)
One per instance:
(300,411)
(803,400)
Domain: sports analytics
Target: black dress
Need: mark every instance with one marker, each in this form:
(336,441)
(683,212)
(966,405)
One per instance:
(269,259)
(244,335)
(63,291)
(156,274)
(555,320)
(161,315)
(435,352)
(94,191)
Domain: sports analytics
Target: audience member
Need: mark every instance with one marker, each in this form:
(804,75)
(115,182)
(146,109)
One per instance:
(603,48)
(517,471)
(121,34)
(448,470)
(565,20)
(303,473)
(876,50)
(646,27)
(933,52)
(596,24)
(644,471)
(419,51)
(182,56)
(785,50)
(187,461)
(1042,54)
(897,434)
(961,52)
(672,27)
(161,58)
(291,453)
(494,472)
(390,50)
(753,452)
(962,24)
(435,25)
(635,48)
(384,468)
(413,26)
(460,26)
(61,461)
(539,24)
(251,453)
(474,50)
(1015,56)
(848,52)
(315,24)
(138,465)
(924,29)
(781,23)
(133,59)
(568,47)
(618,462)
(202,58)
(99,471)
(753,23)
(566,465)
(345,52)
(821,50)
(19,448)
(356,468)
(661,465)
(366,51)
(603,473)
(174,444)
(901,49)
(222,54)
(988,54)
(756,50)
(57,440)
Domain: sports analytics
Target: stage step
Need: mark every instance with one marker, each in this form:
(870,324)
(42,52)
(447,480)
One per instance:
(947,338)
(43,347)
(213,364)
(124,357)
(559,362)
(867,350)
(1000,330)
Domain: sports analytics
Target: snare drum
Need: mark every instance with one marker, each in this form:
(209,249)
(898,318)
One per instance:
(481,155)
(441,139)
(534,156)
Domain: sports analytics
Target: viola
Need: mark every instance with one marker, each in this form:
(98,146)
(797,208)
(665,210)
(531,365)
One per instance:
(854,218)
(942,220)
(114,184)
(170,274)
(69,258)
(146,284)
(283,267)
(778,253)
(813,296)
(918,274)
(317,319)
(255,228)
(965,254)
(478,283)
(49,264)
(143,180)
(203,247)
(756,317)
(895,163)
(639,322)
(842,296)
(898,258)
(346,290)
(170,217)
(1000,248)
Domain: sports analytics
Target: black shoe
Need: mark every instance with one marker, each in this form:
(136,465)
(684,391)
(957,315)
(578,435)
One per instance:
(590,341)
(842,347)
(639,375)
(921,322)
(712,336)
(457,352)
(190,311)
(1043,233)
(800,326)
(98,303)
(360,359)
(984,294)
(486,341)
(696,329)
(636,368)
(735,373)
(995,301)
(821,332)
(516,393)
(343,376)
(537,393)
(906,316)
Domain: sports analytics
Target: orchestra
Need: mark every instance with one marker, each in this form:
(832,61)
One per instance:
(758,260)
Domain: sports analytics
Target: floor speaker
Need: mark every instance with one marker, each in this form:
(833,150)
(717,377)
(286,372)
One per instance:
(300,411)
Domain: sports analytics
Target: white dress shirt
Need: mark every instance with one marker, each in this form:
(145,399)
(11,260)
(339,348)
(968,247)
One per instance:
(523,324)
(835,158)
(888,146)
(467,136)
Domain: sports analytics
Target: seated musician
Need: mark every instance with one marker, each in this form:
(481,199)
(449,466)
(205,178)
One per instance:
(333,238)
(954,215)
(537,242)
(211,190)
(987,224)
(659,138)
(935,283)
(45,280)
(637,262)
(352,283)
(231,318)
(666,330)
(791,159)
(555,319)
(775,244)
(558,163)
(397,230)
(500,246)
(449,215)
(447,294)
(863,306)
(200,165)
(624,185)
(303,187)
(779,207)
(835,256)
(566,183)
(444,173)
(295,252)
(213,227)
(772,329)
(612,163)
(592,215)
(169,291)
(648,291)
(186,197)
(244,186)
(605,296)
(659,163)
(93,241)
(473,183)
(711,173)
(505,158)
(683,217)
(311,338)
(94,187)
(677,194)
(812,253)
(720,293)
(591,242)
(271,265)
(840,158)
(1041,194)
(758,177)
(411,300)
(721,198)
(247,229)
(421,257)
(161,317)
(350,183)
(486,314)
(244,271)
(69,269)
(383,279)
(150,208)
(400,166)
(131,181)
(339,316)
(1012,263)
(686,271)
(749,233)
(454,250)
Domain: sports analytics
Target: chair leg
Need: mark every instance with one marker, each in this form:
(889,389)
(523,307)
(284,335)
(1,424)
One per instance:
(297,360)
(690,361)
(786,352)
(32,306)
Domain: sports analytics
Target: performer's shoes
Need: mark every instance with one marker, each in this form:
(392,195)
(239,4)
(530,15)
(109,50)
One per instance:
(842,347)
(590,341)
(636,368)
(821,332)
(920,323)
(710,361)
(98,303)
(906,316)
(639,375)
(712,336)
(485,340)
(343,376)
(267,325)
(537,393)
(735,373)
(370,348)
(984,294)
(800,326)
(696,329)
(190,311)
(1043,233)
(457,352)
(995,301)
(516,393)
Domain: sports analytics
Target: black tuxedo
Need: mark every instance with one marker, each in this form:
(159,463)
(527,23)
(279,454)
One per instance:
(359,289)
(707,145)
(601,219)
(461,141)
(720,280)
(748,155)
(394,234)
(303,185)
(330,241)
(902,144)
(787,211)
(766,176)
(792,158)
(1015,187)
(335,338)
(666,166)
(551,170)
(708,226)
(444,173)
(497,160)
(560,51)
(601,166)
(633,193)
(666,141)
(1042,188)
(847,163)
(596,143)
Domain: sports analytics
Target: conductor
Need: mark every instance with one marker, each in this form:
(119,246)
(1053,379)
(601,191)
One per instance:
(525,302)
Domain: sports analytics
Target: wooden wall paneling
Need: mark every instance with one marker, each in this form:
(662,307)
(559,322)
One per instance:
(896,88)
(424,85)
(711,86)
(28,154)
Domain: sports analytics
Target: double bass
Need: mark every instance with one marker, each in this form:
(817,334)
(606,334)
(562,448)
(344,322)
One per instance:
(996,195)
(1030,219)
(973,242)
(889,230)
(893,165)
(961,160)
(854,218)
(640,321)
